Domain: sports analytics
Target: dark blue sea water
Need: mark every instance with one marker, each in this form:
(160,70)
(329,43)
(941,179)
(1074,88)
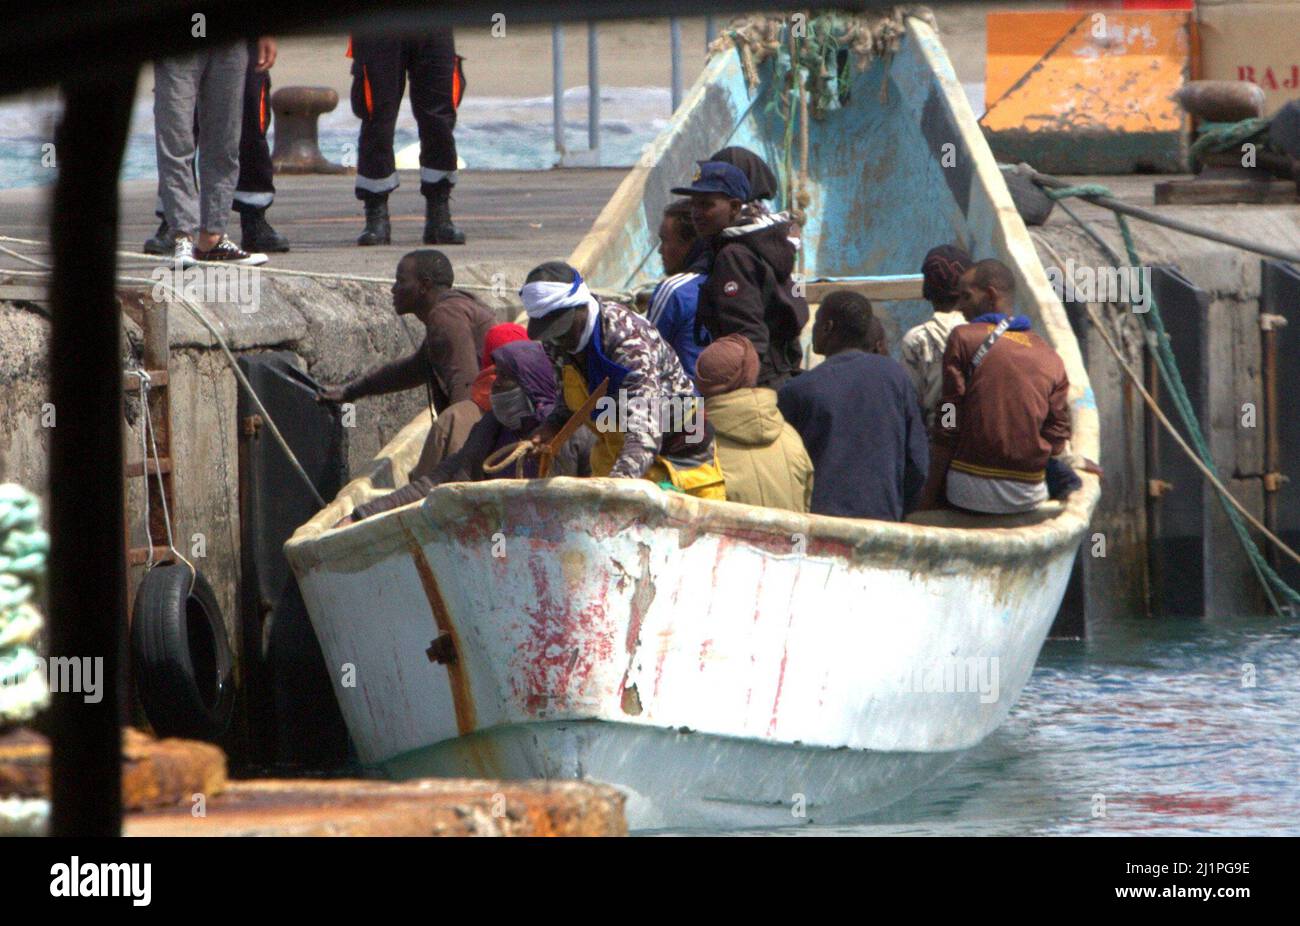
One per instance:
(1149,728)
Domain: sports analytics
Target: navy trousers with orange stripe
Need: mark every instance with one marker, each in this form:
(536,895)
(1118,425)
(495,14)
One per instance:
(380,67)
(256,188)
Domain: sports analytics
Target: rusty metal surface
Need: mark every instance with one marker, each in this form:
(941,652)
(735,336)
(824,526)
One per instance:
(154,772)
(445,807)
(1072,91)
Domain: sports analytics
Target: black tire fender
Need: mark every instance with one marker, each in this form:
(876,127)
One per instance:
(182,656)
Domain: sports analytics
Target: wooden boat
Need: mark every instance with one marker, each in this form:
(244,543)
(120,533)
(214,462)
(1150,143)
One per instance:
(723,664)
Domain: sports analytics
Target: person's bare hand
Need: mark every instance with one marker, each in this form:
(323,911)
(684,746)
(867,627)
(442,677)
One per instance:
(334,394)
(266,50)
(544,435)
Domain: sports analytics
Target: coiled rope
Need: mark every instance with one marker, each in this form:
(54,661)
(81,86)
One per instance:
(1199,451)
(514,453)
(23,548)
(1222,136)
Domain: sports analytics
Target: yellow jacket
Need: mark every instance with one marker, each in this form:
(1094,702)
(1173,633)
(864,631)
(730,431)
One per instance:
(763,459)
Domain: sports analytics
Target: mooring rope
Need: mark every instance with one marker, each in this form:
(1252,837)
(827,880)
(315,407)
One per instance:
(147,432)
(23,547)
(1199,450)
(166,260)
(203,319)
(1221,136)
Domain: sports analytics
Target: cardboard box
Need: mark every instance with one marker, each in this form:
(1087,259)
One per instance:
(1259,42)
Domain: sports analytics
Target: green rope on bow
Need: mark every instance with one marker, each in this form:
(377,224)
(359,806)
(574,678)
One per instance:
(1220,136)
(1272,583)
(23,546)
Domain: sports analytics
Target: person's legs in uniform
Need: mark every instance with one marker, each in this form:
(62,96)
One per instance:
(176,91)
(378,82)
(255,190)
(436,86)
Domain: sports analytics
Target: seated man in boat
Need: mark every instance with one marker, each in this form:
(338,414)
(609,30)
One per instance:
(451,429)
(763,458)
(922,347)
(749,289)
(675,299)
(859,417)
(649,423)
(523,394)
(456,325)
(1004,411)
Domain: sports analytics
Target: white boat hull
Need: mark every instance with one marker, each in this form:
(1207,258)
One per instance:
(687,779)
(874,651)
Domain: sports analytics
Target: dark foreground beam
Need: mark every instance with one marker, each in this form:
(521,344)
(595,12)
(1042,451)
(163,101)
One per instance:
(87,575)
(42,44)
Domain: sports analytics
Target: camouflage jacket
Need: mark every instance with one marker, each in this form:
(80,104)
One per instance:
(650,397)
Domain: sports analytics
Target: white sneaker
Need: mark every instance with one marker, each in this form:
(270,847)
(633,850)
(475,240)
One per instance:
(227,252)
(183,251)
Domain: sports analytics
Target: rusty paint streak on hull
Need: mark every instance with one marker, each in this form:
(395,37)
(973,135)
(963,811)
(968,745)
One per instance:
(461,698)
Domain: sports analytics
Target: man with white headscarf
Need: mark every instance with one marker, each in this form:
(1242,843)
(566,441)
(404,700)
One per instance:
(650,423)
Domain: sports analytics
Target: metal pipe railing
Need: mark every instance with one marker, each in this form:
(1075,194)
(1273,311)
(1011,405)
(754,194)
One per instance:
(557,85)
(675,53)
(593,82)
(593,91)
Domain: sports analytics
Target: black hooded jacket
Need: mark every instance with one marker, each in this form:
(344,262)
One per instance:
(762,182)
(749,291)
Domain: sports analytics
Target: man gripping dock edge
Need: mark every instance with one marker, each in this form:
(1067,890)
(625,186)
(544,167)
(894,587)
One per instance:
(650,424)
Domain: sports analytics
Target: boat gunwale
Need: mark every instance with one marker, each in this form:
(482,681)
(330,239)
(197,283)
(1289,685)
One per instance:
(896,543)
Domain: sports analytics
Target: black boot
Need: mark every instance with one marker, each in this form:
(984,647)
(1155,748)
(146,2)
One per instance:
(377,230)
(256,233)
(162,242)
(438,228)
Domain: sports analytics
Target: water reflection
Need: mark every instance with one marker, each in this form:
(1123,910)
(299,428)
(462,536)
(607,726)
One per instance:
(1148,727)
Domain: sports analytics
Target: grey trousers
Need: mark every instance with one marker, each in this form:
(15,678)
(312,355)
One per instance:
(213,81)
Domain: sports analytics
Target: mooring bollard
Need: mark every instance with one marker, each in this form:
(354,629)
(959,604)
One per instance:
(297,148)
(1221,100)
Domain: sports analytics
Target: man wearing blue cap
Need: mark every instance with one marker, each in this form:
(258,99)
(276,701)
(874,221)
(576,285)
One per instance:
(749,290)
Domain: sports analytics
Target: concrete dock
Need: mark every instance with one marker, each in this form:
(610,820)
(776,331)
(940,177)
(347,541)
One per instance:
(511,219)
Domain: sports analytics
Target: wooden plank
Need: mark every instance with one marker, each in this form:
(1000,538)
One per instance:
(19,292)
(1218,192)
(157,378)
(137,467)
(880,289)
(138,556)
